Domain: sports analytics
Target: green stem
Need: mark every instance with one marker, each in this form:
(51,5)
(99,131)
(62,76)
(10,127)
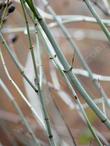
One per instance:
(18,110)
(71,77)
(44,110)
(77,51)
(20,92)
(93,131)
(99,21)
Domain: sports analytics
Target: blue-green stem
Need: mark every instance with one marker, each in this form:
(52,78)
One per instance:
(18,110)
(99,21)
(44,110)
(20,92)
(71,77)
(21,71)
(77,51)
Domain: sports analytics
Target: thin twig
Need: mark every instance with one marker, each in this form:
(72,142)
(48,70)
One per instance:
(18,110)
(44,110)
(71,77)
(99,21)
(20,92)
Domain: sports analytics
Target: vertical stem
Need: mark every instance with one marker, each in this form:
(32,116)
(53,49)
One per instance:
(74,46)
(77,51)
(44,111)
(71,77)
(99,21)
(93,131)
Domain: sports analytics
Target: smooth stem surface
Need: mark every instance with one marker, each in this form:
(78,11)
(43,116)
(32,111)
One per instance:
(77,51)
(73,92)
(41,97)
(18,110)
(20,92)
(16,62)
(71,77)
(99,21)
(20,69)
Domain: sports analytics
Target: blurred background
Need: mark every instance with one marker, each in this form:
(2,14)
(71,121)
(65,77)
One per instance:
(64,116)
